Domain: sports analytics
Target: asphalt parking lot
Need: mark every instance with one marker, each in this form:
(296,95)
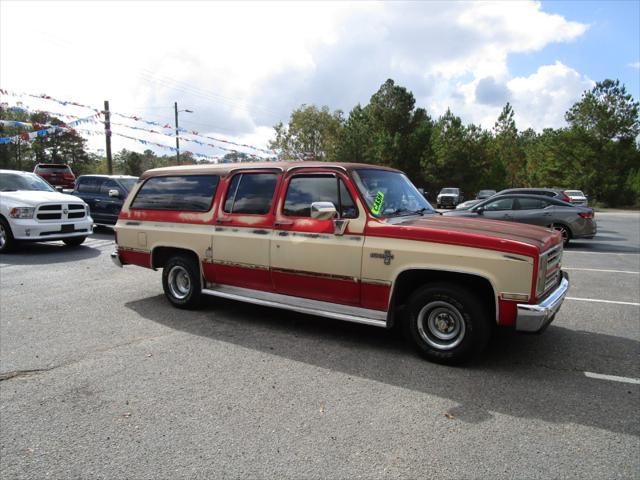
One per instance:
(101,378)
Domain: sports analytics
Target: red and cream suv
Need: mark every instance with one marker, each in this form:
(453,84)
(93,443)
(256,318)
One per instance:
(353,242)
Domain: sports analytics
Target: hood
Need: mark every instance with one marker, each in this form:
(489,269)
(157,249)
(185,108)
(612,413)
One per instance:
(33,198)
(498,235)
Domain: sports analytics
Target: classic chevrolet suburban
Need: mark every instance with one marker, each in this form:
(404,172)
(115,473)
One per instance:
(353,242)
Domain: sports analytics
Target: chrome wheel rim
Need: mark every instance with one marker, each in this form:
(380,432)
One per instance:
(441,325)
(179,282)
(3,236)
(563,231)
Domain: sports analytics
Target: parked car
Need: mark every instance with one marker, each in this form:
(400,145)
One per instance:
(449,197)
(570,220)
(347,241)
(57,174)
(105,195)
(482,194)
(576,197)
(33,211)
(547,192)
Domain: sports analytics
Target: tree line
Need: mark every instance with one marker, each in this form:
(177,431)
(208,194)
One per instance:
(596,152)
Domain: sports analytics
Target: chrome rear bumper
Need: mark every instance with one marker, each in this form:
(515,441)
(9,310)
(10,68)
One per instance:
(534,318)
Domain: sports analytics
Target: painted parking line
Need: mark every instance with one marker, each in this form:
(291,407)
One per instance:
(612,378)
(634,304)
(600,270)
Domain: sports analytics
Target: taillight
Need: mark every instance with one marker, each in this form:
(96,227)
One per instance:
(68,176)
(586,214)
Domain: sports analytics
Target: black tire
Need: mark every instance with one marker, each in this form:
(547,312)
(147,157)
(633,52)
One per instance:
(447,323)
(181,282)
(74,241)
(7,243)
(564,231)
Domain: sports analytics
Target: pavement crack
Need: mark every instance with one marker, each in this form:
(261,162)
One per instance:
(24,373)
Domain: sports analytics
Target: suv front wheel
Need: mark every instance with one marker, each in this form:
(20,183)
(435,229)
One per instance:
(181,282)
(447,323)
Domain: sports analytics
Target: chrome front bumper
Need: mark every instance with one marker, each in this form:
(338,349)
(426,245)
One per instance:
(534,318)
(115,258)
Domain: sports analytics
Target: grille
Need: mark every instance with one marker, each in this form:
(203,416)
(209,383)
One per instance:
(554,263)
(60,211)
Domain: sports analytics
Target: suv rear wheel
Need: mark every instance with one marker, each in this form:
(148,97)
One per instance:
(447,323)
(181,282)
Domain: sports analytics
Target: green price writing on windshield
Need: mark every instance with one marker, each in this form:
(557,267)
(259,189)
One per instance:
(377,203)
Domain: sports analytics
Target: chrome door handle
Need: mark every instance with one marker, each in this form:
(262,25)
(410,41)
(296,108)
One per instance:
(283,223)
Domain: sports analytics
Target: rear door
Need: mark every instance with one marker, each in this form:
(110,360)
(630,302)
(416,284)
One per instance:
(240,245)
(308,258)
(533,211)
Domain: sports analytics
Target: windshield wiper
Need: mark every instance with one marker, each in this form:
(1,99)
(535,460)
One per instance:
(405,211)
(9,190)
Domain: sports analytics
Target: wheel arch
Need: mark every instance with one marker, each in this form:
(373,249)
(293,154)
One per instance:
(160,254)
(410,279)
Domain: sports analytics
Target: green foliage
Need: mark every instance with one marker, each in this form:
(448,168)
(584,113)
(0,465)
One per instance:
(312,134)
(597,152)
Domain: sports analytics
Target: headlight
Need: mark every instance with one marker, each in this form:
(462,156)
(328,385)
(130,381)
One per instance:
(21,212)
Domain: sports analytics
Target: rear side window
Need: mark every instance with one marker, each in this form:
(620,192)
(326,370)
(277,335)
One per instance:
(303,190)
(531,203)
(192,193)
(501,204)
(89,185)
(251,193)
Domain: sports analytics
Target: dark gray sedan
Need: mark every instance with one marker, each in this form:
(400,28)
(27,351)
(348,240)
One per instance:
(572,221)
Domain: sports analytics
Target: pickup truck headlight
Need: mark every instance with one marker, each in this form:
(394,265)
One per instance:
(22,212)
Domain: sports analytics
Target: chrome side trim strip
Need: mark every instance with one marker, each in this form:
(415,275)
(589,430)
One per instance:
(302,305)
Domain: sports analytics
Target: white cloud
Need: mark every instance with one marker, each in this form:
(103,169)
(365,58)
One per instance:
(244,66)
(635,65)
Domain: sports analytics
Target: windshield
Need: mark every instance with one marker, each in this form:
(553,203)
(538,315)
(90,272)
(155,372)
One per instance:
(11,182)
(128,183)
(449,190)
(390,194)
(575,193)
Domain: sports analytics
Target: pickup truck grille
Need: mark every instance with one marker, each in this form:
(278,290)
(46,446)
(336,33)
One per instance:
(554,264)
(60,211)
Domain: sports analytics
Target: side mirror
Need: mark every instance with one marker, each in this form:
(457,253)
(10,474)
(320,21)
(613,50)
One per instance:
(58,189)
(479,210)
(323,211)
(114,193)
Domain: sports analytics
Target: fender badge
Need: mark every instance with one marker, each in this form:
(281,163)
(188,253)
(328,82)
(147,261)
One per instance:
(387,256)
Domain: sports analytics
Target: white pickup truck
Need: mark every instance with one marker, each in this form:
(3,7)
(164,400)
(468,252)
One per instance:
(31,210)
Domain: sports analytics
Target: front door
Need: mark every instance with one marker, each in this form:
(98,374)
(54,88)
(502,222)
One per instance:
(308,259)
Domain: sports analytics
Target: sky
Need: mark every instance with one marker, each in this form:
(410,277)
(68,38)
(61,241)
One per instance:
(242,67)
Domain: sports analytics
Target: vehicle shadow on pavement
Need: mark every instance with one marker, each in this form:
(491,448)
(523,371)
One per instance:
(604,247)
(48,253)
(527,376)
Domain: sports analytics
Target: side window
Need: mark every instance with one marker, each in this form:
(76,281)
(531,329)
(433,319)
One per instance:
(192,193)
(251,193)
(88,185)
(501,204)
(303,190)
(531,204)
(109,184)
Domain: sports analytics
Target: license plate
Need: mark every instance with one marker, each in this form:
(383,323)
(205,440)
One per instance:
(68,228)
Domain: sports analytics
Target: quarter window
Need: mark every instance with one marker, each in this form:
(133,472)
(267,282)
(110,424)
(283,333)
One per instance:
(251,193)
(303,190)
(192,193)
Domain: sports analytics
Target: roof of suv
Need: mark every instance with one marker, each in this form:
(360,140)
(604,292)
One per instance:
(549,192)
(100,175)
(226,168)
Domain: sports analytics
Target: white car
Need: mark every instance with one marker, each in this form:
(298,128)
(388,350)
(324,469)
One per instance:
(577,197)
(31,210)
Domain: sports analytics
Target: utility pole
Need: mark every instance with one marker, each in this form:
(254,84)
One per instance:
(107,134)
(175,105)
